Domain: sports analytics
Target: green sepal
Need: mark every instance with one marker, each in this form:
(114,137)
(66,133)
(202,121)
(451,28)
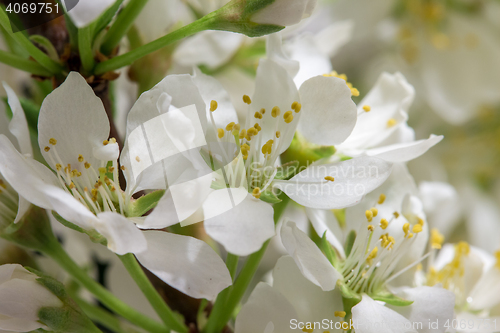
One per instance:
(269,196)
(55,287)
(94,236)
(349,242)
(348,292)
(328,250)
(145,203)
(391,299)
(287,170)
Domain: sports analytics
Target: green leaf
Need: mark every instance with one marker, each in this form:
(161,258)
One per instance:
(106,17)
(328,250)
(145,203)
(47,45)
(390,298)
(287,170)
(349,242)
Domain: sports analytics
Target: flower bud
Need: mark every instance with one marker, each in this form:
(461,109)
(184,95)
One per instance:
(21,299)
(256,18)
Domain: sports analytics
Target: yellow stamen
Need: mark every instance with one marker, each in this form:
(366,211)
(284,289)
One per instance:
(369,215)
(374,211)
(391,122)
(406,229)
(372,255)
(288,116)
(105,142)
(371,227)
(47,148)
(329,178)
(252,131)
(437,239)
(263,111)
(80,158)
(256,192)
(381,199)
(137,158)
(258,115)
(278,134)
(257,127)
(497,256)
(53,141)
(396,214)
(384,224)
(213,105)
(247,99)
(220,133)
(367,108)
(275,111)
(230,126)
(417,228)
(340,314)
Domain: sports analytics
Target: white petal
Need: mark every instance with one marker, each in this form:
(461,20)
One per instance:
(275,52)
(22,208)
(370,316)
(243,229)
(210,48)
(430,305)
(87,11)
(309,300)
(109,152)
(265,305)
(121,233)
(185,263)
(329,112)
(325,221)
(485,288)
(274,87)
(334,36)
(353,179)
(441,205)
(390,98)
(74,116)
(284,12)
(18,125)
(309,258)
(404,152)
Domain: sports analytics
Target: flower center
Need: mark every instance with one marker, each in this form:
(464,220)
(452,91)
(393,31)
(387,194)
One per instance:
(96,188)
(259,154)
(370,264)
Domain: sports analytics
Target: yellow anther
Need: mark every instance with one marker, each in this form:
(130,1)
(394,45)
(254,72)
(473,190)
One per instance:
(288,116)
(383,240)
(278,134)
(369,215)
(123,167)
(257,127)
(243,133)
(80,158)
(420,221)
(417,228)
(111,169)
(85,189)
(437,239)
(86,165)
(354,92)
(367,108)
(396,214)
(267,147)
(374,211)
(247,99)
(137,158)
(296,106)
(340,314)
(102,170)
(391,122)
(245,147)
(105,142)
(252,131)
(220,133)
(258,115)
(391,242)
(75,173)
(371,227)
(58,167)
(497,256)
(72,185)
(236,127)
(53,141)
(263,111)
(112,189)
(384,224)
(112,140)
(47,148)
(329,178)
(406,229)
(308,330)
(463,248)
(275,112)
(256,192)
(230,126)
(381,199)
(213,105)
(410,235)
(372,255)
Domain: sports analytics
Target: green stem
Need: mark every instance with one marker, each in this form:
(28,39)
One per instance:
(137,53)
(224,307)
(85,48)
(56,252)
(159,305)
(121,25)
(99,315)
(37,54)
(232,264)
(23,64)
